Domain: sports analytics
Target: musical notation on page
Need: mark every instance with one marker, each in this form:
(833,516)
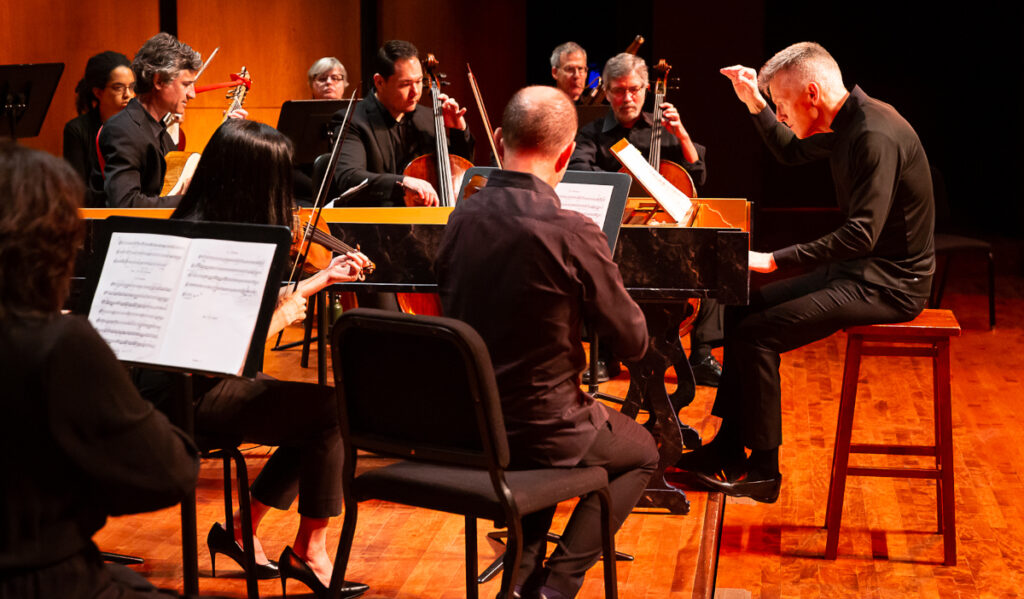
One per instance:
(588,199)
(675,202)
(176,301)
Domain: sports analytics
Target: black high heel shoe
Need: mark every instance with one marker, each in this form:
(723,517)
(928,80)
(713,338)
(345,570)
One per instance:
(220,540)
(292,566)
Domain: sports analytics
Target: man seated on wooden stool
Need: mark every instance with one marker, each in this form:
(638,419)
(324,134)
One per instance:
(625,84)
(876,267)
(134,142)
(524,273)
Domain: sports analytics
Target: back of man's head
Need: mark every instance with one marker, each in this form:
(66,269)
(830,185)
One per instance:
(538,119)
(802,62)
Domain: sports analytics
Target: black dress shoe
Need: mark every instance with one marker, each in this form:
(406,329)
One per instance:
(707,372)
(292,566)
(220,540)
(765,490)
(711,458)
(604,372)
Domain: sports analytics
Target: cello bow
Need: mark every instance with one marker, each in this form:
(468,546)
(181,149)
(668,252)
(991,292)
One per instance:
(483,114)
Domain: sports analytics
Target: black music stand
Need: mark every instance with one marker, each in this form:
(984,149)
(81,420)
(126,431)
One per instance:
(26,91)
(263,289)
(308,124)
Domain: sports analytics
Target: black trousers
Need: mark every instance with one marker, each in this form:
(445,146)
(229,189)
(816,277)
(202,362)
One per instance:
(708,330)
(783,316)
(301,419)
(630,455)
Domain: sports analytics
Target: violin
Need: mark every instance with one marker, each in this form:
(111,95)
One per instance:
(182,165)
(675,173)
(320,243)
(442,170)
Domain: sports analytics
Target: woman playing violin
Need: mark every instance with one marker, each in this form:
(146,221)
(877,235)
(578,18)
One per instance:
(245,177)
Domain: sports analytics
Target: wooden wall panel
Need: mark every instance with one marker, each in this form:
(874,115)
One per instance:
(276,41)
(70,32)
(489,36)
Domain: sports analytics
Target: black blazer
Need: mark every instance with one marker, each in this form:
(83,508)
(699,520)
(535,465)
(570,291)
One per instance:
(368,151)
(133,146)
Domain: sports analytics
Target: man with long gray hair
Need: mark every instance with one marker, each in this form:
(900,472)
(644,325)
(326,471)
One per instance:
(876,267)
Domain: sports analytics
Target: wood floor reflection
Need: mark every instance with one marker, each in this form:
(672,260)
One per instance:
(888,546)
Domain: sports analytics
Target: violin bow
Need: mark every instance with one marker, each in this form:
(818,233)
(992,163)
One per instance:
(300,260)
(483,114)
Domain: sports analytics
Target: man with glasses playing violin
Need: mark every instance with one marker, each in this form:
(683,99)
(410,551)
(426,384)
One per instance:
(569,69)
(625,84)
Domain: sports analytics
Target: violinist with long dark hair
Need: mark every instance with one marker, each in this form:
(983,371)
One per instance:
(245,177)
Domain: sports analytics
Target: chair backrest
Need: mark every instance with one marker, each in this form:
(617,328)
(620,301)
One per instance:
(417,387)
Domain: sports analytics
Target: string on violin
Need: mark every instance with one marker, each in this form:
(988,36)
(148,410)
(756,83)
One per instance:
(310,232)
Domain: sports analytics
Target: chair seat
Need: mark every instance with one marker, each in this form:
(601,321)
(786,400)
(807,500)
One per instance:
(460,490)
(945,242)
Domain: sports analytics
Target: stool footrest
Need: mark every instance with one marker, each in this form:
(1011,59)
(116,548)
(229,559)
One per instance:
(899,351)
(875,448)
(893,472)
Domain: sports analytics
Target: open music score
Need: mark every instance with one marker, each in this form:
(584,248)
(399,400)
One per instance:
(675,202)
(589,200)
(176,301)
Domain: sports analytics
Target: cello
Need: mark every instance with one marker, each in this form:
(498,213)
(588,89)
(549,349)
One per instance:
(442,170)
(675,173)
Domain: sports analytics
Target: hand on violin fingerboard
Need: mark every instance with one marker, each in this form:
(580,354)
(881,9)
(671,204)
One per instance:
(239,113)
(454,116)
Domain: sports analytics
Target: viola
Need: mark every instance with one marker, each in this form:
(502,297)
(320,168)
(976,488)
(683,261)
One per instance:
(442,170)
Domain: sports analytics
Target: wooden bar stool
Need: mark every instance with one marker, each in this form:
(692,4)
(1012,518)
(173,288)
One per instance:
(925,336)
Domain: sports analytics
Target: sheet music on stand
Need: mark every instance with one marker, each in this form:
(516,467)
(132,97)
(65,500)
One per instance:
(186,296)
(674,201)
(597,195)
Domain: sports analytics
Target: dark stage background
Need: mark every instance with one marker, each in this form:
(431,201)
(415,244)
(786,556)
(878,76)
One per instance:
(955,75)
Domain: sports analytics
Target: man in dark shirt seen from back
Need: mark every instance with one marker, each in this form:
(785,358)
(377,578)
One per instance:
(525,273)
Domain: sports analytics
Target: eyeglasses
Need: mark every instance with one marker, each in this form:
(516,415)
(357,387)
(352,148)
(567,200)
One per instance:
(331,78)
(571,70)
(120,88)
(620,92)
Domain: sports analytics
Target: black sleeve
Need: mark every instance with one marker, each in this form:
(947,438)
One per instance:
(785,145)
(606,304)
(874,167)
(124,155)
(382,188)
(76,151)
(136,458)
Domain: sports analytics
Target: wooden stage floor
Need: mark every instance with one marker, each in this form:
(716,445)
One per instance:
(888,546)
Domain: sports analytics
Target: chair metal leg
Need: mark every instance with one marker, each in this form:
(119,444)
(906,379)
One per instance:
(499,562)
(611,586)
(348,533)
(472,592)
(513,549)
(245,512)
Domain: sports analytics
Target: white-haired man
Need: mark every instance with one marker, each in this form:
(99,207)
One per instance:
(876,267)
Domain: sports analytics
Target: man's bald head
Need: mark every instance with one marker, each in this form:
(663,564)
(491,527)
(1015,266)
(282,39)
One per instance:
(538,119)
